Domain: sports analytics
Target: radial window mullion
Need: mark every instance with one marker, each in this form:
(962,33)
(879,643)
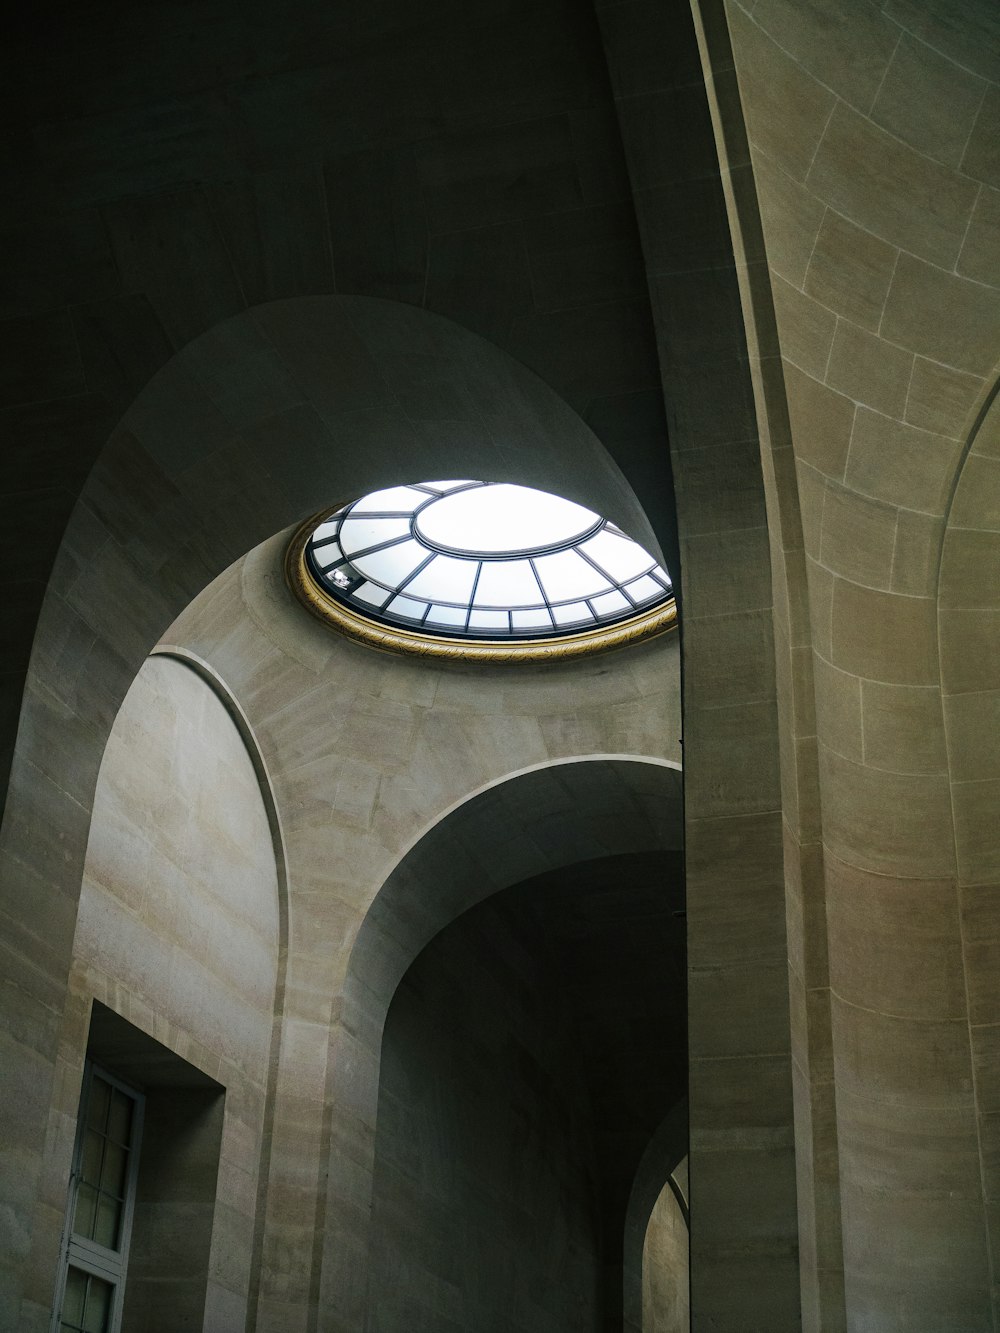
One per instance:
(542,590)
(371,550)
(419,570)
(604,573)
(472,598)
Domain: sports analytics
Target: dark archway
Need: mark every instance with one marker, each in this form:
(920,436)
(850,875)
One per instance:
(527,1057)
(549,822)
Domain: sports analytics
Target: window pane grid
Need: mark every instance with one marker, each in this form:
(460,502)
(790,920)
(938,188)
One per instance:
(103,1165)
(87,1303)
(99,1208)
(415,578)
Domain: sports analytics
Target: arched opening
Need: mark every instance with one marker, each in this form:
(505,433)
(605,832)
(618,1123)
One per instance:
(549,905)
(137,552)
(666,1259)
(176,978)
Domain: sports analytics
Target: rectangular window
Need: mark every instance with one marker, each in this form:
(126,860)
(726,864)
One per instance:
(100,1207)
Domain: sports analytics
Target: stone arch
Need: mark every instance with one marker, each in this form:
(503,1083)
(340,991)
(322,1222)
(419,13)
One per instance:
(666,1150)
(266,418)
(265,782)
(968,623)
(181,945)
(548,816)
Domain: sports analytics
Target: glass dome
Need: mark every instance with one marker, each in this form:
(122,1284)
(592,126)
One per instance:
(480,560)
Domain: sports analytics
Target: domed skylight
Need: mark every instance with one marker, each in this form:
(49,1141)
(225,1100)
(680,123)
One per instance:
(481,560)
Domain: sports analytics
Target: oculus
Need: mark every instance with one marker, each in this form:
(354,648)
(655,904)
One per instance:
(472,569)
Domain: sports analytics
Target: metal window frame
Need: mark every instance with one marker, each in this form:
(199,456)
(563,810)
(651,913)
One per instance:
(79,1251)
(308,572)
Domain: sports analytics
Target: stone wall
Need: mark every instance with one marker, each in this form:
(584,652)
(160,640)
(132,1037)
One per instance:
(178,932)
(486,1211)
(869,269)
(665,1268)
(741,1067)
(379,766)
(164,516)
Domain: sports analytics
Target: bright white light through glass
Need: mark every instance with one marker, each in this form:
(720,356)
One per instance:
(483,560)
(502,520)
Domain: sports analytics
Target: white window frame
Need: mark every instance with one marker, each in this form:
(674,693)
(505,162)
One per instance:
(78,1251)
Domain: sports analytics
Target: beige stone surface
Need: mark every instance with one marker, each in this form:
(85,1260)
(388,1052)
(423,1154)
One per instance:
(857,537)
(850,269)
(901,171)
(869,369)
(942,316)
(928,100)
(408,742)
(822,420)
(941,398)
(890,189)
(562,188)
(179,913)
(665,1302)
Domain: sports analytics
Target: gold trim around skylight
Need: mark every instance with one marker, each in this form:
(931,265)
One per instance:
(659,619)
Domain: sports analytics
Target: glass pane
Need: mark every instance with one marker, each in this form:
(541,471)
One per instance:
(503,518)
(525,620)
(496,620)
(120,1117)
(567,575)
(446,578)
(86,1211)
(371,595)
(571,614)
(507,583)
(325,530)
(621,557)
(644,589)
(358,533)
(407,606)
(113,1170)
(97,1316)
(90,1159)
(106,1228)
(328,556)
(451,617)
(76,1291)
(394,564)
(660,573)
(397,499)
(97,1104)
(611,604)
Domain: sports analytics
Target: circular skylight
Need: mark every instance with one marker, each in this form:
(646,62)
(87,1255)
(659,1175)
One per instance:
(482,560)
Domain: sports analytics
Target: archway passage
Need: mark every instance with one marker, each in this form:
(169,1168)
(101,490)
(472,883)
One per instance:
(665,1306)
(532,942)
(529,1054)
